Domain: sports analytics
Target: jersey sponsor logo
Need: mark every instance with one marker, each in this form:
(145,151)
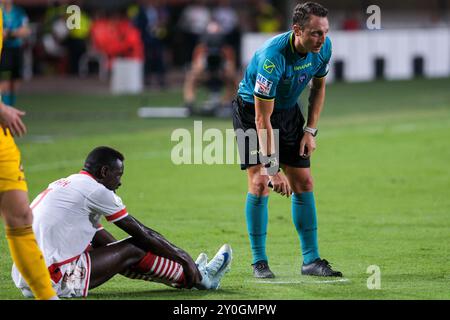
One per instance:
(263,85)
(297,68)
(268,66)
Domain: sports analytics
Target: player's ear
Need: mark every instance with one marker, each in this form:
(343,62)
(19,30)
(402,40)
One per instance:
(104,171)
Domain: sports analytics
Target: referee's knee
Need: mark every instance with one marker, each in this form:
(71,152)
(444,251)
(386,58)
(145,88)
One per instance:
(259,188)
(306,184)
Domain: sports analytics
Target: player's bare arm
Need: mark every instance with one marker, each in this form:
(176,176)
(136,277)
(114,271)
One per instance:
(102,238)
(149,240)
(316,102)
(263,111)
(10,118)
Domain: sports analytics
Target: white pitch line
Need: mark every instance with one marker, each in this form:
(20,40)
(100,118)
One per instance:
(300,281)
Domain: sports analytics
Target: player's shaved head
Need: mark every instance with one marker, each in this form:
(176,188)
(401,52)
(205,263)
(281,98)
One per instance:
(101,157)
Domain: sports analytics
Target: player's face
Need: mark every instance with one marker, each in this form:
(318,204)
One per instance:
(312,36)
(113,175)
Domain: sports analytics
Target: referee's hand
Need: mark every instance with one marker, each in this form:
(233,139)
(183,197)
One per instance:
(280,184)
(307,145)
(10,118)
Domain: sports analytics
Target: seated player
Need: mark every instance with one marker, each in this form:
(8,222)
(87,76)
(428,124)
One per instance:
(81,255)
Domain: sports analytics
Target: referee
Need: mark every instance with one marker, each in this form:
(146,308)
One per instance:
(267,103)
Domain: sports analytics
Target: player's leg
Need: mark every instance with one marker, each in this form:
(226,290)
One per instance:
(22,243)
(112,259)
(304,216)
(15,208)
(257,215)
(159,269)
(127,259)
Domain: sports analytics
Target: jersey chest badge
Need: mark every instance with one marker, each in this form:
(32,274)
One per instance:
(302,77)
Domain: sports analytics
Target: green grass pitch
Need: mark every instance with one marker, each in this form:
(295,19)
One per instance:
(382,186)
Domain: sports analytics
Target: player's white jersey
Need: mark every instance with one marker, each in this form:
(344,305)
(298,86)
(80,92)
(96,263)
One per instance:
(66,216)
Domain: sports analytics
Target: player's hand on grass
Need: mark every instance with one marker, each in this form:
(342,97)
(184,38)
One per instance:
(280,184)
(10,118)
(307,145)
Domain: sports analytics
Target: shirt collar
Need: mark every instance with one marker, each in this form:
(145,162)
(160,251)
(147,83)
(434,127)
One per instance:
(296,56)
(86,173)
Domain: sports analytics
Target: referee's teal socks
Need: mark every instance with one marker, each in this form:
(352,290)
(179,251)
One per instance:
(305,221)
(256,213)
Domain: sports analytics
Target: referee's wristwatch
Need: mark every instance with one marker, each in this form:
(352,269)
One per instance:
(313,131)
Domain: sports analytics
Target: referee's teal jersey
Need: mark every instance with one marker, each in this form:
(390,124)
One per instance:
(278,72)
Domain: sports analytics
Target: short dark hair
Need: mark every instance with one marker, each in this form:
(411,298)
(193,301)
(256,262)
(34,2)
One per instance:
(99,157)
(303,11)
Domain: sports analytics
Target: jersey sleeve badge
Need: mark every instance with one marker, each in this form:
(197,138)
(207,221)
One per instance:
(268,66)
(263,85)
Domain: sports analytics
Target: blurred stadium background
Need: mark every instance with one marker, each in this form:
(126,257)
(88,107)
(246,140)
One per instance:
(381,168)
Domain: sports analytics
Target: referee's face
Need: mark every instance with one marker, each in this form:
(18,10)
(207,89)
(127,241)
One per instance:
(312,36)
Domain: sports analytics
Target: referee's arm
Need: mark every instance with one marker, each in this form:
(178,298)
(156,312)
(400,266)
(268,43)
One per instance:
(263,111)
(316,101)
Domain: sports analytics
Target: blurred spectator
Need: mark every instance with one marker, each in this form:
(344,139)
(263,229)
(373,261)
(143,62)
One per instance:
(192,24)
(226,16)
(267,18)
(151,20)
(54,33)
(115,36)
(228,19)
(15,31)
(76,41)
(213,64)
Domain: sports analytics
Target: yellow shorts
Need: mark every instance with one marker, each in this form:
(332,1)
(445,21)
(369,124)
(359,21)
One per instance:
(12,176)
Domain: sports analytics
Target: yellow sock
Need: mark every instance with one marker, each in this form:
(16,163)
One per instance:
(29,261)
